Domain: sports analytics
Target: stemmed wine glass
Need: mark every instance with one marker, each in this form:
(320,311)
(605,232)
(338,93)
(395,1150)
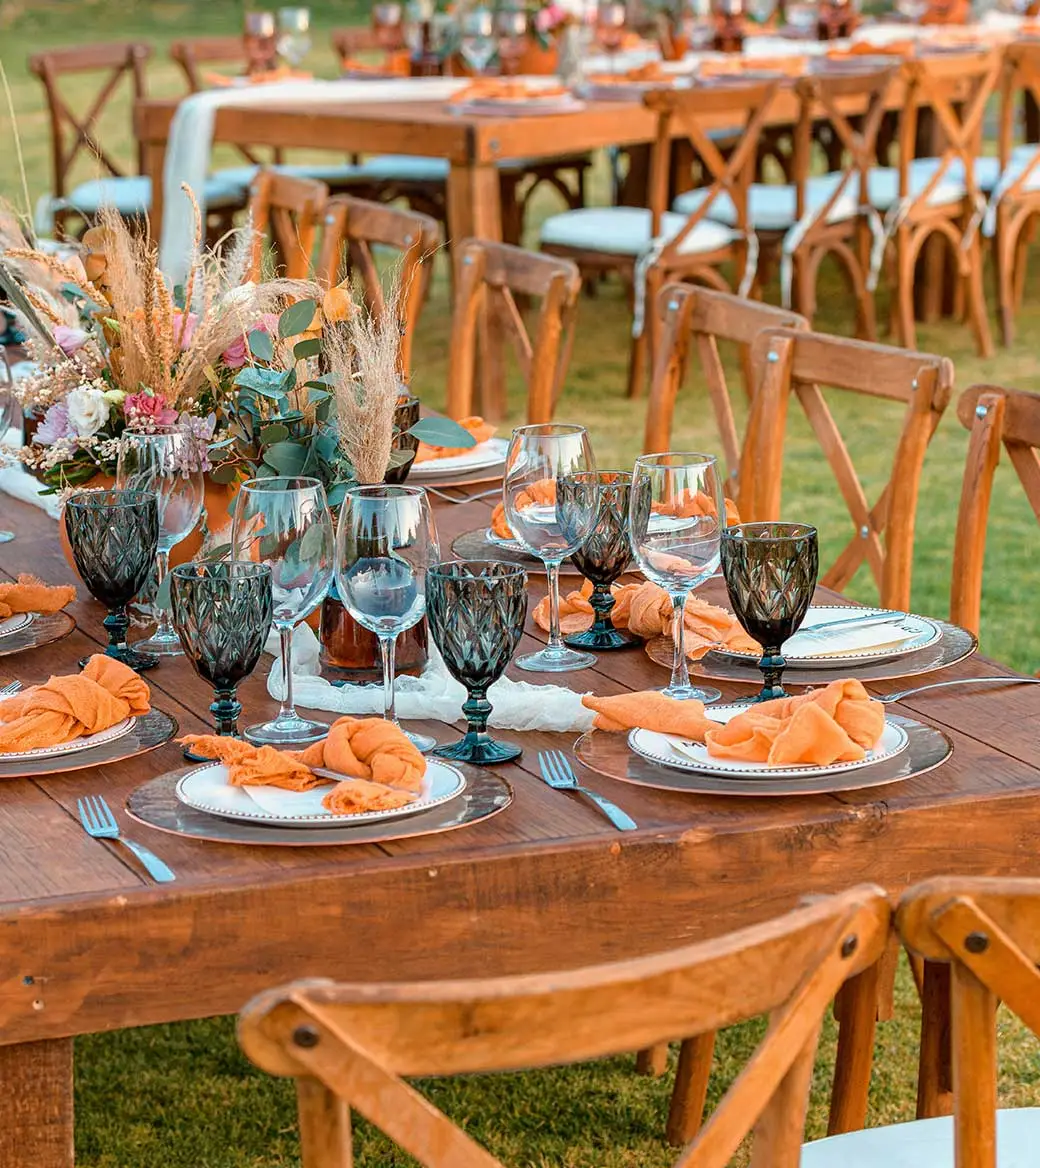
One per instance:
(286,524)
(170,466)
(385,541)
(113,536)
(698,23)
(511,26)
(260,41)
(222,613)
(676,516)
(387,19)
(477,41)
(770,571)
(294,38)
(477,610)
(610,27)
(538,457)
(10,415)
(761,10)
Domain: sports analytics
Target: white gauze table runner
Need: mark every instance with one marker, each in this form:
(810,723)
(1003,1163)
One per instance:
(190,142)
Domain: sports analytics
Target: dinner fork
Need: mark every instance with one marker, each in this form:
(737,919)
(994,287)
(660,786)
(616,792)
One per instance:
(463,498)
(993,677)
(10,689)
(99,822)
(559,774)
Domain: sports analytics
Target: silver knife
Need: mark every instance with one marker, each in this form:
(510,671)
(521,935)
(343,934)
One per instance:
(858,622)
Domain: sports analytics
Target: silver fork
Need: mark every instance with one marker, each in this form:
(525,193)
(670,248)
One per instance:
(99,822)
(993,678)
(465,498)
(559,774)
(10,689)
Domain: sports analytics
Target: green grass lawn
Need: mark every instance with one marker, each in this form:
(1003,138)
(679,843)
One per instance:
(182,1096)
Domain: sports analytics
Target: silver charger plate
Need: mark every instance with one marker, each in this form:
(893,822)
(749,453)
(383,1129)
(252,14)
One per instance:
(44,629)
(155,804)
(608,754)
(148,732)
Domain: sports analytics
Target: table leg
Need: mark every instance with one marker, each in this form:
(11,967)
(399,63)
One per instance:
(474,202)
(36,1104)
(154,163)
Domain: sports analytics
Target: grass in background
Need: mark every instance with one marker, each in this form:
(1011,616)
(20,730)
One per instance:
(182,1096)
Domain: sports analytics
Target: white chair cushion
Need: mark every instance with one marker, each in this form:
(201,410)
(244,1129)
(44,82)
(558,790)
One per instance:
(403,168)
(242,176)
(132,195)
(771,206)
(883,184)
(925,1143)
(625,231)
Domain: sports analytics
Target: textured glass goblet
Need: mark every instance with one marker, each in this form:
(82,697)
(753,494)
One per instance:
(770,571)
(476,611)
(222,613)
(113,536)
(605,554)
(405,416)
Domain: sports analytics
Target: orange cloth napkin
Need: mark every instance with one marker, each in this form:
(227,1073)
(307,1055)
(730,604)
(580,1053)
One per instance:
(576,613)
(255,766)
(706,625)
(476,425)
(839,723)
(651,71)
(689,503)
(268,77)
(505,89)
(539,494)
(28,594)
(354,796)
(498,522)
(395,64)
(650,710)
(66,708)
(369,748)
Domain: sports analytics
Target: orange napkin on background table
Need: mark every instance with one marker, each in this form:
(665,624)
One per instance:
(505,89)
(66,708)
(650,710)
(28,594)
(475,424)
(839,723)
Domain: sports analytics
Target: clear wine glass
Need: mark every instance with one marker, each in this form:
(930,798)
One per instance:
(477,40)
(286,524)
(10,416)
(170,466)
(761,10)
(677,512)
(511,27)
(387,21)
(698,23)
(539,456)
(386,539)
(294,36)
(610,27)
(261,42)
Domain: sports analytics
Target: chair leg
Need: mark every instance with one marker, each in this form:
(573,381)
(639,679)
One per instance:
(903,295)
(857,1023)
(637,363)
(325,1136)
(653,1061)
(1004,272)
(934,1075)
(977,301)
(686,1111)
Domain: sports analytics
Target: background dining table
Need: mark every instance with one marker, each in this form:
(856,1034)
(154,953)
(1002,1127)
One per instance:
(88,942)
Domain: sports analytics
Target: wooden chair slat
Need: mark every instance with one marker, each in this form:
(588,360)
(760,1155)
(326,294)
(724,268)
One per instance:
(288,208)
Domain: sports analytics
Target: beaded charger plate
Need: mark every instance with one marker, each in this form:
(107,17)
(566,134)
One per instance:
(609,754)
(155,804)
(42,629)
(149,731)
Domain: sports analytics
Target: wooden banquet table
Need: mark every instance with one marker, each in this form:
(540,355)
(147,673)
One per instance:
(89,943)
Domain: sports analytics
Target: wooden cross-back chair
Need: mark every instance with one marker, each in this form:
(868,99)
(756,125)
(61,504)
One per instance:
(485,317)
(350,1047)
(943,197)
(786,360)
(352,227)
(363,38)
(698,318)
(995,417)
(287,209)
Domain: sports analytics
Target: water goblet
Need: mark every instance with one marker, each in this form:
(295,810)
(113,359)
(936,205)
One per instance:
(538,457)
(222,613)
(387,19)
(259,37)
(610,27)
(676,515)
(477,610)
(170,466)
(385,541)
(113,536)
(294,39)
(286,524)
(511,27)
(770,571)
(605,554)
(477,41)
(698,23)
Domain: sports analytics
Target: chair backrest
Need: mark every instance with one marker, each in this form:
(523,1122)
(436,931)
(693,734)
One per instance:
(192,53)
(352,228)
(699,318)
(488,279)
(994,416)
(358,1042)
(72,130)
(987,931)
(883,533)
(287,209)
(1021,79)
(362,38)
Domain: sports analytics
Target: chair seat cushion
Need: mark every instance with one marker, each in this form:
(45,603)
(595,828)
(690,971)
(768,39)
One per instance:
(772,206)
(625,231)
(925,1143)
(132,195)
(883,184)
(403,168)
(331,173)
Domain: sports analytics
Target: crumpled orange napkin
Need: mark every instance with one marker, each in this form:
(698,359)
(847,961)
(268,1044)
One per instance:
(839,723)
(687,504)
(369,748)
(650,710)
(539,494)
(505,89)
(354,796)
(66,708)
(706,625)
(475,424)
(28,594)
(576,614)
(254,766)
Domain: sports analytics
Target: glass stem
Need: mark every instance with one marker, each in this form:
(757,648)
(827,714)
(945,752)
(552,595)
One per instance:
(477,709)
(552,571)
(164,626)
(287,711)
(117,623)
(602,601)
(225,710)
(387,645)
(680,673)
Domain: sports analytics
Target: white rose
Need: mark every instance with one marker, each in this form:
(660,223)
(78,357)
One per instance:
(88,411)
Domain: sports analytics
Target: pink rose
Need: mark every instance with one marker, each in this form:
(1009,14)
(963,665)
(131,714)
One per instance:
(184,329)
(70,340)
(237,353)
(148,411)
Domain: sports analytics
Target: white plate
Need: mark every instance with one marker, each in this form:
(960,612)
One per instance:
(206,789)
(679,753)
(565,103)
(908,635)
(480,457)
(12,624)
(73,747)
(510,545)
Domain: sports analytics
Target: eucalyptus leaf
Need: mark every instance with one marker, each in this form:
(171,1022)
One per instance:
(274,433)
(296,318)
(311,543)
(263,381)
(324,381)
(442,432)
(261,345)
(287,458)
(310,347)
(289,381)
(337,492)
(317,395)
(227,473)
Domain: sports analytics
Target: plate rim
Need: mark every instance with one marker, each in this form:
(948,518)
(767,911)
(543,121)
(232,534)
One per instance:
(76,746)
(429,469)
(30,617)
